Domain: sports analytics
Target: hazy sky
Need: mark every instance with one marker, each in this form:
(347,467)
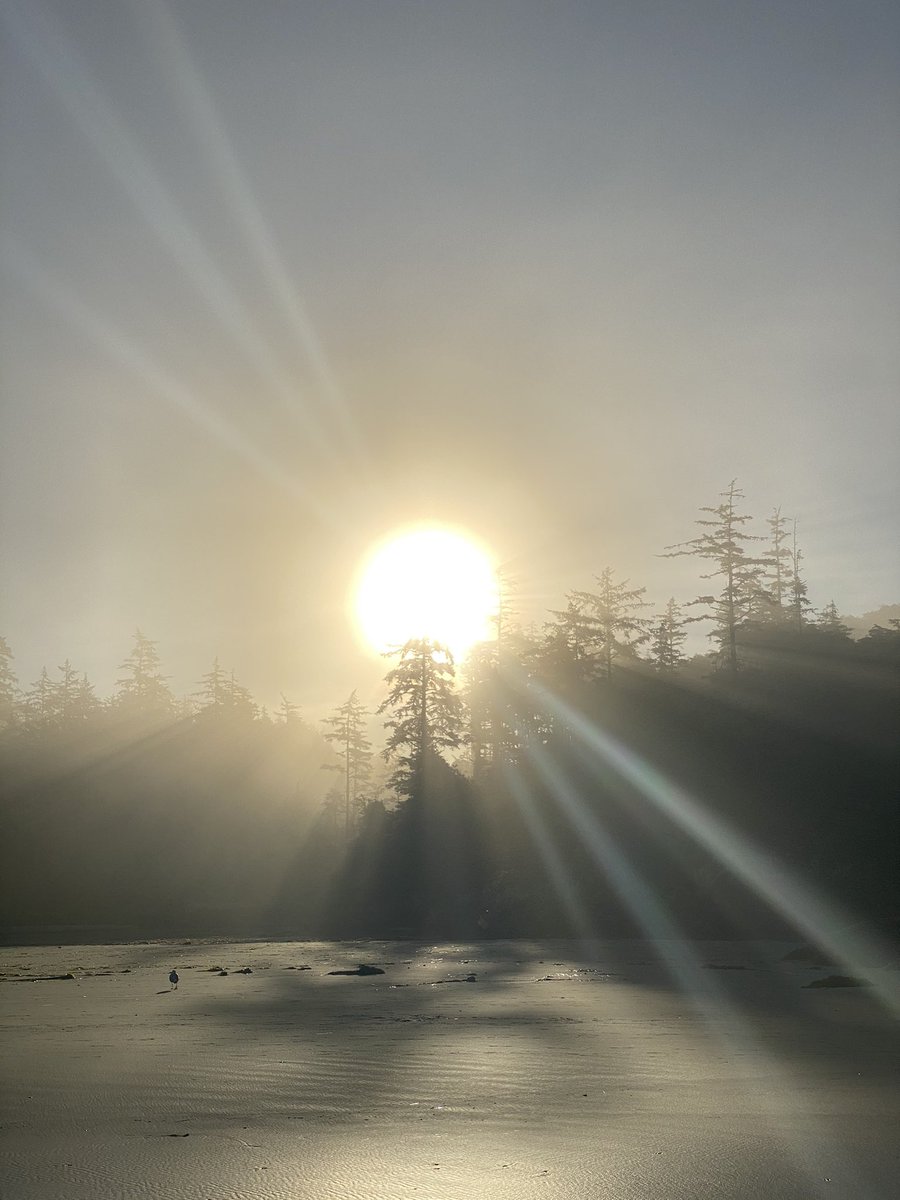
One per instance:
(281,276)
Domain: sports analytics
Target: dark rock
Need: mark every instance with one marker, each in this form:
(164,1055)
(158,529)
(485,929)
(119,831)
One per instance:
(836,981)
(41,978)
(362,969)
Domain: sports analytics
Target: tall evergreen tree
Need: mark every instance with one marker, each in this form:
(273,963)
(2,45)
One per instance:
(142,690)
(60,703)
(777,563)
(488,671)
(799,605)
(667,638)
(829,621)
(87,702)
(490,702)
(287,712)
(212,693)
(40,705)
(492,679)
(347,733)
(425,712)
(723,543)
(240,699)
(480,689)
(568,651)
(755,606)
(68,690)
(612,610)
(504,714)
(9,686)
(220,695)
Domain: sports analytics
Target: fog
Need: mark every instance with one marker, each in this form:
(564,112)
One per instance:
(279,280)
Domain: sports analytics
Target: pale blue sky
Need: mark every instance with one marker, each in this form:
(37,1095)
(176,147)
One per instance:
(280,276)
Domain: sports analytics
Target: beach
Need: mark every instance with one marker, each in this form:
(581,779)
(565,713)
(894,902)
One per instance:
(491,1069)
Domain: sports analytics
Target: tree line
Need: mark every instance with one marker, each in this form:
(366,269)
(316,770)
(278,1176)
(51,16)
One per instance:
(491,812)
(761,607)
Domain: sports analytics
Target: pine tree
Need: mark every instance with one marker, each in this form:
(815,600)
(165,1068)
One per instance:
(829,621)
(504,712)
(61,703)
(799,606)
(85,704)
(425,711)
(778,564)
(722,542)
(212,694)
(480,689)
(492,680)
(240,699)
(68,690)
(287,713)
(78,701)
(142,690)
(568,650)
(615,627)
(347,732)
(493,695)
(668,637)
(221,695)
(9,686)
(41,705)
(754,598)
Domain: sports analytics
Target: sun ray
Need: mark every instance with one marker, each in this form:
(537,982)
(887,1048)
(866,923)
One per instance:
(769,1082)
(68,76)
(817,917)
(61,297)
(161,28)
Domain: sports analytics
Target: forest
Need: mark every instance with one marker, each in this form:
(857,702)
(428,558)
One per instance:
(577,776)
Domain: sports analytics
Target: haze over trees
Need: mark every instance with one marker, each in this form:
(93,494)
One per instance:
(424,712)
(518,798)
(723,542)
(347,734)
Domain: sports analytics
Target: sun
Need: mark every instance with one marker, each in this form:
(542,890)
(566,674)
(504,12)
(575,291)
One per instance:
(429,582)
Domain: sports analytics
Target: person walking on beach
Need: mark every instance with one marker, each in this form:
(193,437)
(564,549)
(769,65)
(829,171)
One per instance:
(173,978)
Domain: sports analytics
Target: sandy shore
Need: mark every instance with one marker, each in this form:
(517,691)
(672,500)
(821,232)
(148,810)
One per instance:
(615,1070)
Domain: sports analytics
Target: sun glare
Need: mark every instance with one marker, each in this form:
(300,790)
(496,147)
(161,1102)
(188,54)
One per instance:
(427,583)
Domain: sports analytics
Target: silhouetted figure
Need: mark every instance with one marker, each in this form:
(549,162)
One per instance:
(173,978)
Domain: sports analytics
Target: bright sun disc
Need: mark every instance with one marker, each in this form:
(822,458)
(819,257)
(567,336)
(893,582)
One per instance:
(428,583)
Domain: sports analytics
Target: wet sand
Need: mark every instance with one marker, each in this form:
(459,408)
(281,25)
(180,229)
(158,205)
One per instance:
(614,1070)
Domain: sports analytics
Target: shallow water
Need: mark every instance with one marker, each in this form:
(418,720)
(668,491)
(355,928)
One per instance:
(563,1070)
